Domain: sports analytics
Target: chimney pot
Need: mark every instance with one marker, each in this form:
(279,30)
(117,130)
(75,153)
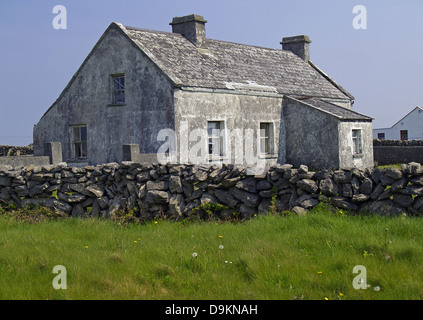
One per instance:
(192,27)
(298,45)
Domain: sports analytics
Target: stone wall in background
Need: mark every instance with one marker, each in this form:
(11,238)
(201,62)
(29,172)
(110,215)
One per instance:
(173,190)
(9,151)
(396,151)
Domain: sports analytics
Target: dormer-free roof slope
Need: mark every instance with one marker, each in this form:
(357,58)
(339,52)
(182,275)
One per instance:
(223,65)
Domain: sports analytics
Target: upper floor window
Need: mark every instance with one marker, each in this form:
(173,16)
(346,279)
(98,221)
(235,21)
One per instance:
(118,95)
(79,141)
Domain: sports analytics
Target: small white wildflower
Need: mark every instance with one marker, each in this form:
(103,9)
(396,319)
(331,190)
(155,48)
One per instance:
(377,288)
(221,247)
(194,254)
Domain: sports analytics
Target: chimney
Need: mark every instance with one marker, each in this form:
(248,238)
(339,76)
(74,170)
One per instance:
(191,27)
(298,45)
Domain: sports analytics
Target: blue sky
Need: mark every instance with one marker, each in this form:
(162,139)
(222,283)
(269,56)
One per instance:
(381,66)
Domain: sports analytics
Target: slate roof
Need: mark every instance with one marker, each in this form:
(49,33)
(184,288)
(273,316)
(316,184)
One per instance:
(227,65)
(335,110)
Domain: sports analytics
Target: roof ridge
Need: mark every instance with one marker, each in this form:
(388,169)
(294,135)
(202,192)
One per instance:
(248,45)
(151,30)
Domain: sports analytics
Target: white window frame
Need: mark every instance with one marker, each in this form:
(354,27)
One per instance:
(79,146)
(216,138)
(266,140)
(357,141)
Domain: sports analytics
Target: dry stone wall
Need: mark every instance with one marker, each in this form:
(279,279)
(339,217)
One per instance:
(387,152)
(8,151)
(176,190)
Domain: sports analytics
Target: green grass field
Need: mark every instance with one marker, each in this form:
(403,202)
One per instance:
(279,257)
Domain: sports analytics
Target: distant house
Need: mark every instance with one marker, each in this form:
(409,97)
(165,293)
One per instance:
(275,105)
(410,127)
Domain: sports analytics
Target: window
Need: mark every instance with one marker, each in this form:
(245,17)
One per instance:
(79,142)
(118,89)
(381,136)
(404,134)
(357,144)
(216,135)
(266,138)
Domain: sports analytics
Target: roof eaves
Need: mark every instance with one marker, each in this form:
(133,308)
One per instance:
(309,102)
(305,101)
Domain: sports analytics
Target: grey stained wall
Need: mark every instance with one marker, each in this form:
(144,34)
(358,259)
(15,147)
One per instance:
(87,101)
(311,136)
(321,140)
(346,157)
(240,113)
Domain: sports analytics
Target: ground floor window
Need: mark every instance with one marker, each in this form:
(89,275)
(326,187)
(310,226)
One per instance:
(79,141)
(357,141)
(381,136)
(404,134)
(216,138)
(266,138)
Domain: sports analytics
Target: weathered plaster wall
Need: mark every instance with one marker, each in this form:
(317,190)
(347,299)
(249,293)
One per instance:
(193,109)
(23,161)
(87,100)
(346,157)
(311,136)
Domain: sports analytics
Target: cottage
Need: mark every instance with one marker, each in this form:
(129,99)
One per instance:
(194,99)
(407,128)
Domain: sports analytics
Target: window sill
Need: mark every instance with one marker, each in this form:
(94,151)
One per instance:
(116,105)
(78,160)
(268,156)
(217,158)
